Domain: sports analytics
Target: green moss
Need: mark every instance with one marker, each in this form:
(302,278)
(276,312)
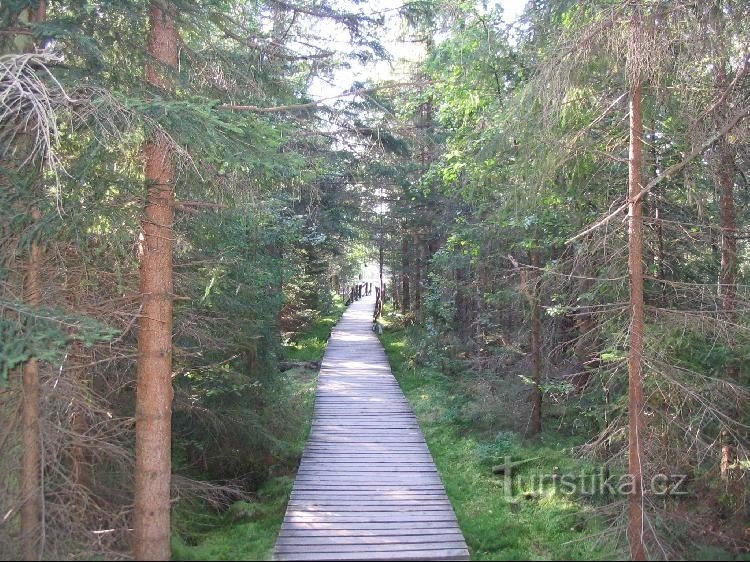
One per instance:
(542,525)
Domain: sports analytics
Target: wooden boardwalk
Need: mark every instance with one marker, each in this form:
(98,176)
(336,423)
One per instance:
(367,488)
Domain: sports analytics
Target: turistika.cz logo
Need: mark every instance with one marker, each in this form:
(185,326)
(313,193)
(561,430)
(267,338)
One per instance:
(587,483)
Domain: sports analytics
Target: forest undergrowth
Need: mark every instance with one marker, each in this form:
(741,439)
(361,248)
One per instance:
(468,435)
(247,529)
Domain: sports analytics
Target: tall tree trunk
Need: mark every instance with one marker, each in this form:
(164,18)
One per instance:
(30,463)
(459,301)
(31,480)
(635,266)
(536,346)
(395,288)
(79,454)
(151,524)
(381,265)
(417,278)
(405,296)
(724,164)
(276,292)
(463,302)
(727,219)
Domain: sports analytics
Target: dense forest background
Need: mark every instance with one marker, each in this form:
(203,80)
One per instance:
(559,207)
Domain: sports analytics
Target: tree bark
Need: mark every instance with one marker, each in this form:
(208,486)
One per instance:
(727,222)
(727,290)
(536,346)
(79,454)
(464,317)
(31,479)
(635,357)
(405,296)
(395,291)
(31,460)
(417,278)
(151,526)
(381,265)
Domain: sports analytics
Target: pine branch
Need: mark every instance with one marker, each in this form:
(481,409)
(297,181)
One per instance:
(740,74)
(668,173)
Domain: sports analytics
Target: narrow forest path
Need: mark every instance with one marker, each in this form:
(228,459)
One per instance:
(367,487)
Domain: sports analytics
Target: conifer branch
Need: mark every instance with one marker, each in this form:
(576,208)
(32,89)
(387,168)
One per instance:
(668,173)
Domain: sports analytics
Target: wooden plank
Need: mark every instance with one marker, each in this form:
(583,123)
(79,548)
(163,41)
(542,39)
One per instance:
(379,527)
(329,538)
(371,501)
(393,493)
(363,497)
(374,509)
(368,449)
(388,457)
(306,514)
(363,468)
(379,491)
(371,505)
(386,535)
(364,478)
(373,489)
(433,554)
(339,454)
(401,425)
(328,460)
(403,547)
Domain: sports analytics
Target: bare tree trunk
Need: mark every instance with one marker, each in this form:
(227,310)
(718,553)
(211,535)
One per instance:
(31,479)
(79,455)
(727,220)
(31,461)
(536,346)
(277,290)
(728,268)
(635,357)
(417,280)
(151,524)
(405,296)
(395,288)
(459,301)
(381,265)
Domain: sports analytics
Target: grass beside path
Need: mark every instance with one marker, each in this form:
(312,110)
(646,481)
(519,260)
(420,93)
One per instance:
(537,523)
(311,344)
(248,530)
